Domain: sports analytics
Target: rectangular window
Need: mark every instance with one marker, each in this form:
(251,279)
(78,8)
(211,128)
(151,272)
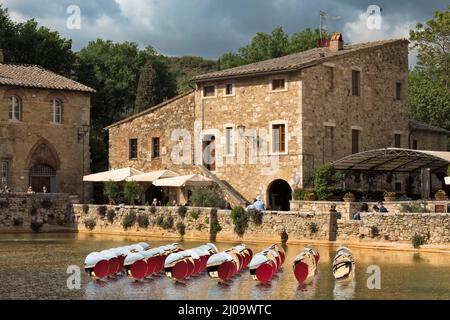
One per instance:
(356,83)
(229,90)
(5,173)
(229,141)
(355,141)
(209,91)
(155,148)
(133,148)
(278,138)
(330,78)
(397,141)
(415,145)
(278,84)
(398,91)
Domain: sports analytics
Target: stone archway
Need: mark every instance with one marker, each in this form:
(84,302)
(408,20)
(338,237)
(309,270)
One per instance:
(279,193)
(43,163)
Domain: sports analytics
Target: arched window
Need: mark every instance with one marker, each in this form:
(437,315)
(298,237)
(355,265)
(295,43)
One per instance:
(57,111)
(15,108)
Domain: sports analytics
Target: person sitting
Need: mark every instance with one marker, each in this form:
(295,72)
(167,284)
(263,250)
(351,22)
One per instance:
(363,208)
(155,202)
(382,208)
(30,190)
(375,209)
(258,204)
(44,189)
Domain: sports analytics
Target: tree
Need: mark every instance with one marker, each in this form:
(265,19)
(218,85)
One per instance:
(324,178)
(131,191)
(429,83)
(156,84)
(208,197)
(111,190)
(28,43)
(304,40)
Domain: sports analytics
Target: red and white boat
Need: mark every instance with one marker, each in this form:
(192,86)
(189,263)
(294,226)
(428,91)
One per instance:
(305,265)
(226,264)
(265,264)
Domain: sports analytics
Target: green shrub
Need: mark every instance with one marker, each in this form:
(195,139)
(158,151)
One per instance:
(414,208)
(101,211)
(216,228)
(256,216)
(313,227)
(160,221)
(32,211)
(299,194)
(418,240)
(111,215)
(90,224)
(17,222)
(324,178)
(208,197)
(131,191)
(46,204)
(374,232)
(143,221)
(85,208)
(168,223)
(240,220)
(111,190)
(206,220)
(195,214)
(36,226)
(152,210)
(182,210)
(284,237)
(129,220)
(181,228)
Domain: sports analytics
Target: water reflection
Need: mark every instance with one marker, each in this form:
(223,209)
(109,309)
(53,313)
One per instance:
(34,267)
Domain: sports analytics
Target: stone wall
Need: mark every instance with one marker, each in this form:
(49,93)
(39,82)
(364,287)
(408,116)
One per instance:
(396,227)
(36,140)
(18,210)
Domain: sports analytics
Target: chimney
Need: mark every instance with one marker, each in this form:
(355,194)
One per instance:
(336,42)
(2,57)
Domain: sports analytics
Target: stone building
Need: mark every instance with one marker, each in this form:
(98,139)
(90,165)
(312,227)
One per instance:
(264,128)
(44,130)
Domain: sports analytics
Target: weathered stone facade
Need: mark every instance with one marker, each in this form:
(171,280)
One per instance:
(315,104)
(36,140)
(18,210)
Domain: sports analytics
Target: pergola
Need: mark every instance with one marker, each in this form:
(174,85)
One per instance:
(395,160)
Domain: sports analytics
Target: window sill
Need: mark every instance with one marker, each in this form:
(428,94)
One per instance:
(208,98)
(277,91)
(278,154)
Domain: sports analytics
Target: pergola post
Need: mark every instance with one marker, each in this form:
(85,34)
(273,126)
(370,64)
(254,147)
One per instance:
(425,183)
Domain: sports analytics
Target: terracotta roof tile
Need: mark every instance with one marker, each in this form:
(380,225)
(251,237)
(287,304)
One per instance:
(291,62)
(33,76)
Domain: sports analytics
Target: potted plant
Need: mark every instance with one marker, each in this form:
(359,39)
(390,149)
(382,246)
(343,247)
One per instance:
(390,196)
(440,195)
(310,196)
(349,197)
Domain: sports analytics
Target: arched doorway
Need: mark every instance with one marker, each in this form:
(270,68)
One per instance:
(42,176)
(154,192)
(279,194)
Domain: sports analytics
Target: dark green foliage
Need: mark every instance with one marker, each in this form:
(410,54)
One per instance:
(131,191)
(156,84)
(90,224)
(313,227)
(129,220)
(85,208)
(284,237)
(418,241)
(206,220)
(111,190)
(32,211)
(160,221)
(181,228)
(152,210)
(208,197)
(299,194)
(324,178)
(182,210)
(143,221)
(168,223)
(414,208)
(101,211)
(256,216)
(17,222)
(36,226)
(374,232)
(111,215)
(240,220)
(195,214)
(46,204)
(216,228)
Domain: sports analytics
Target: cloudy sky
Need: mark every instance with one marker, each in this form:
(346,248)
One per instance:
(209,28)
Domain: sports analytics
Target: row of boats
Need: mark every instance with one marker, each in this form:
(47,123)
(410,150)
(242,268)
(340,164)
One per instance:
(139,261)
